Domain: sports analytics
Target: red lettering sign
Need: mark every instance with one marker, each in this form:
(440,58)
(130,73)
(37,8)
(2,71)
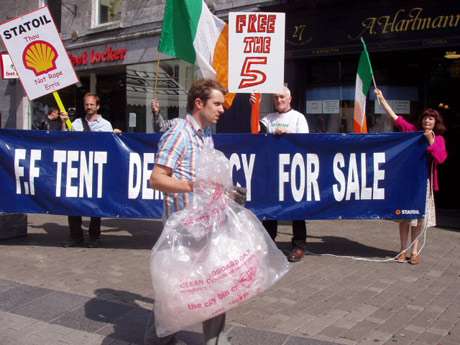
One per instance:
(94,57)
(255,23)
(252,76)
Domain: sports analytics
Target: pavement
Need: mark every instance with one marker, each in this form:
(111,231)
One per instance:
(54,295)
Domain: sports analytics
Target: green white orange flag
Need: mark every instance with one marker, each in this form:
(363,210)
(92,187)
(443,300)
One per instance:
(364,78)
(192,33)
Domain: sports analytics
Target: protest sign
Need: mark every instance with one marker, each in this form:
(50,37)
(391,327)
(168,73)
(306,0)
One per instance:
(302,176)
(38,53)
(256,52)
(7,67)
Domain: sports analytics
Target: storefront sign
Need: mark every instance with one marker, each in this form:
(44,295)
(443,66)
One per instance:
(331,106)
(93,56)
(39,56)
(398,106)
(408,20)
(412,24)
(314,107)
(132,120)
(300,176)
(7,67)
(256,47)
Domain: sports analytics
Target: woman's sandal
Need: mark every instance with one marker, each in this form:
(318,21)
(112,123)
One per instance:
(401,258)
(415,259)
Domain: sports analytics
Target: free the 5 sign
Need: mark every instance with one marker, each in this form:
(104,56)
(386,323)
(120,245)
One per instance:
(256,52)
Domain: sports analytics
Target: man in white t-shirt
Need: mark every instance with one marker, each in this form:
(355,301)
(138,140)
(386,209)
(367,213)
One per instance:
(286,120)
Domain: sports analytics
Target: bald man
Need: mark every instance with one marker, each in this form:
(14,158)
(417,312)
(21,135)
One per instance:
(287,120)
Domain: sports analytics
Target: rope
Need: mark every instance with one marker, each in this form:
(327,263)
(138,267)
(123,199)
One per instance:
(423,232)
(357,258)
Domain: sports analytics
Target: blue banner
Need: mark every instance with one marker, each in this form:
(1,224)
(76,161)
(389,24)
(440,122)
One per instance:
(293,176)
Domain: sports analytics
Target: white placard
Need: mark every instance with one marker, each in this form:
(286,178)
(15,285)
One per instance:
(132,120)
(398,106)
(331,106)
(256,52)
(38,54)
(314,107)
(7,67)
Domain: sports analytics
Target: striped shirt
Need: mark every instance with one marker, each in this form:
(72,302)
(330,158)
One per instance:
(179,149)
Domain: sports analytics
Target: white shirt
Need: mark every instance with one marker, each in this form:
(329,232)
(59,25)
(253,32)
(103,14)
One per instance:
(291,122)
(98,125)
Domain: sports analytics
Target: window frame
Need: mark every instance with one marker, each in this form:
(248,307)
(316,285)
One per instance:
(95,16)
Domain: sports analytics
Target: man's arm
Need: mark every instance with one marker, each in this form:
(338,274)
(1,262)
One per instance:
(162,180)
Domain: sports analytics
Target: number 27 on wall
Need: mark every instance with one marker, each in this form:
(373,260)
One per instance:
(252,76)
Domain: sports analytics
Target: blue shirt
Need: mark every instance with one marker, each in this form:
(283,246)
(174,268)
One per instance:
(179,149)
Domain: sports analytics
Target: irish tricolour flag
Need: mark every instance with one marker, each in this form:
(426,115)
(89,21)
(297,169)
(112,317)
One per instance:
(364,78)
(192,33)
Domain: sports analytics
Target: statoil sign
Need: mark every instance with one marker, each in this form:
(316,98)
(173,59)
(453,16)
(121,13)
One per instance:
(37,52)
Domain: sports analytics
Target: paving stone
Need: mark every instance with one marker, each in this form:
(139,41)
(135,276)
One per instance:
(50,306)
(20,295)
(438,331)
(244,336)
(6,285)
(415,329)
(375,337)
(94,315)
(357,332)
(306,341)
(428,338)
(130,327)
(317,295)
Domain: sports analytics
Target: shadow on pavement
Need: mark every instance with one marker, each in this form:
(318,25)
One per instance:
(116,234)
(122,318)
(339,246)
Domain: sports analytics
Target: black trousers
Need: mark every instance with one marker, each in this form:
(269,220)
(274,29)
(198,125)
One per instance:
(76,232)
(299,231)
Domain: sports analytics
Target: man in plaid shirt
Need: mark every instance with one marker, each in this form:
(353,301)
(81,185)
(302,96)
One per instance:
(174,173)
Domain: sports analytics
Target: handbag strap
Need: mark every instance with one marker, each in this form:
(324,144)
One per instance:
(85,125)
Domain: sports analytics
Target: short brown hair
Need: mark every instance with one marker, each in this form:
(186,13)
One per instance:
(202,89)
(52,110)
(439,127)
(89,94)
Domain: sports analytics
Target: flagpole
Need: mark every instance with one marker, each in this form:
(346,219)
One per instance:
(369,60)
(155,81)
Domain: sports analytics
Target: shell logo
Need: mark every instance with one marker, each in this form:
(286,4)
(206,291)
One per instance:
(40,57)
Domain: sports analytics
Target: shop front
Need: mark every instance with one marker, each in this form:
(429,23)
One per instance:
(126,75)
(415,53)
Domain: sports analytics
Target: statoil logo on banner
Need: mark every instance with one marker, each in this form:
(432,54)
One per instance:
(37,52)
(256,52)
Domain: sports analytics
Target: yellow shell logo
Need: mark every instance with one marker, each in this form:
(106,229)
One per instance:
(40,57)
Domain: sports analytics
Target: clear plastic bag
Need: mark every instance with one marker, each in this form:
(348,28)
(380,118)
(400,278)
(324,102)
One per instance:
(211,256)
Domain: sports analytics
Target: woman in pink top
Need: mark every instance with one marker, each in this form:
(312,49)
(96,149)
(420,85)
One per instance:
(432,124)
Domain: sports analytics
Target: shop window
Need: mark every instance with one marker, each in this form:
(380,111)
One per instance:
(167,81)
(106,11)
(330,108)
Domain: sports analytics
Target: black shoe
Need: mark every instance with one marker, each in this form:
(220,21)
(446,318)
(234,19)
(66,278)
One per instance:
(73,243)
(94,243)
